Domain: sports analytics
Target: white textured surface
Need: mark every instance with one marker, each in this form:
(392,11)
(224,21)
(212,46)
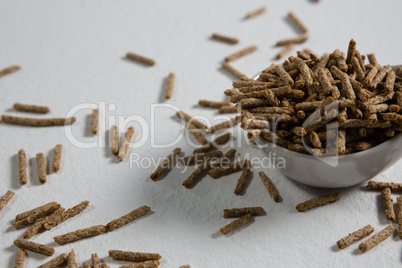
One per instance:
(71,52)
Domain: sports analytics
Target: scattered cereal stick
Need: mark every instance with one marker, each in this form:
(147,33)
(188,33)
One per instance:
(165,165)
(192,179)
(169,85)
(94,121)
(223,38)
(241,53)
(139,58)
(212,104)
(37,226)
(226,66)
(20,258)
(9,70)
(95,261)
(270,187)
(68,214)
(126,219)
(31,108)
(114,139)
(376,239)
(255,12)
(388,204)
(133,256)
(34,247)
(55,262)
(22,167)
(218,141)
(297,40)
(38,213)
(351,52)
(124,147)
(56,157)
(79,234)
(239,212)
(44,210)
(286,50)
(145,264)
(37,122)
(41,166)
(299,25)
(236,224)
(355,236)
(244,177)
(318,201)
(188,118)
(71,262)
(399,209)
(228,169)
(5,199)
(227,124)
(191,160)
(197,134)
(228,109)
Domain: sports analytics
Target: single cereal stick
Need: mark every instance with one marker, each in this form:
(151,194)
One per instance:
(315,140)
(255,12)
(241,53)
(353,123)
(227,124)
(165,165)
(197,134)
(37,226)
(126,219)
(20,258)
(271,110)
(358,69)
(270,187)
(94,121)
(228,109)
(22,167)
(376,239)
(86,265)
(390,81)
(71,262)
(68,214)
(139,58)
(341,141)
(351,52)
(95,261)
(318,201)
(239,212)
(44,210)
(192,179)
(347,88)
(340,60)
(399,209)
(114,139)
(212,104)
(370,76)
(191,160)
(394,108)
(124,147)
(188,118)
(37,122)
(355,236)
(228,169)
(223,38)
(169,86)
(38,213)
(145,264)
(79,234)
(380,76)
(286,50)
(41,165)
(292,17)
(31,108)
(324,81)
(133,256)
(297,40)
(56,157)
(388,204)
(389,132)
(55,262)
(9,70)
(236,224)
(304,70)
(34,247)
(5,199)
(283,75)
(244,177)
(232,70)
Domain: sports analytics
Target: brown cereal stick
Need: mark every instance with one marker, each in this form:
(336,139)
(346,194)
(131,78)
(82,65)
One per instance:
(321,63)
(370,76)
(133,256)
(399,210)
(271,110)
(104,265)
(218,141)
(212,104)
(55,262)
(114,139)
(239,212)
(41,166)
(315,140)
(250,83)
(228,109)
(38,213)
(192,179)
(351,52)
(244,177)
(376,239)
(185,266)
(373,59)
(378,108)
(365,145)
(31,108)
(347,88)
(9,70)
(226,66)
(224,38)
(286,50)
(341,141)
(227,124)
(272,137)
(299,131)
(270,187)
(393,108)
(34,247)
(228,169)
(304,70)
(37,226)
(355,236)
(243,220)
(5,199)
(65,215)
(389,132)
(86,265)
(79,234)
(44,210)
(139,58)
(256,12)
(378,185)
(313,105)
(390,81)
(196,134)
(299,25)
(169,85)
(340,60)
(380,76)
(95,261)
(94,121)
(353,123)
(388,204)
(260,93)
(297,40)
(57,157)
(22,167)
(20,258)
(37,122)
(301,115)
(188,118)
(191,160)
(271,98)
(241,53)
(254,124)
(283,75)
(318,201)
(358,69)
(165,165)
(124,147)
(145,264)
(324,81)
(71,262)
(126,219)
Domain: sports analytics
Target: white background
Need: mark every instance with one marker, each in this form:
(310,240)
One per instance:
(71,52)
